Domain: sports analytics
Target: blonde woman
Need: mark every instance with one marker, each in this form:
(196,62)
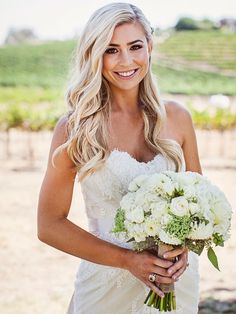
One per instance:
(117,128)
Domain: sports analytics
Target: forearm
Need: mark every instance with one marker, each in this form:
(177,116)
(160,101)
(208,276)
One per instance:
(70,238)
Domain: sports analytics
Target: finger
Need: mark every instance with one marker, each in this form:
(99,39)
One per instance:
(160,271)
(179,273)
(155,289)
(160,279)
(174,252)
(182,262)
(162,263)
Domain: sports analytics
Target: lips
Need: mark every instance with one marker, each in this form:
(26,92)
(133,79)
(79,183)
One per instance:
(126,74)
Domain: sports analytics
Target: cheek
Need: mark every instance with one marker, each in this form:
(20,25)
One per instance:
(143,58)
(108,63)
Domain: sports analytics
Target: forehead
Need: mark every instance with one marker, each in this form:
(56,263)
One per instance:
(128,32)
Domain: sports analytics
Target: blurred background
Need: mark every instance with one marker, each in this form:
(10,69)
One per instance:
(194,61)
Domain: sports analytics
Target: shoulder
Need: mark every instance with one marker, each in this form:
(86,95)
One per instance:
(177,111)
(60,130)
(178,116)
(180,120)
(60,137)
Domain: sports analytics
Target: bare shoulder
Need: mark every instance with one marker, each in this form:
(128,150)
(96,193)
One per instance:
(60,136)
(180,121)
(177,111)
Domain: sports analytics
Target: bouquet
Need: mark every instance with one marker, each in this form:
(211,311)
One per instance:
(168,209)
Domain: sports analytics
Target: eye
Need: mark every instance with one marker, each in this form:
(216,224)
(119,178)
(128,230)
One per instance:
(136,47)
(111,50)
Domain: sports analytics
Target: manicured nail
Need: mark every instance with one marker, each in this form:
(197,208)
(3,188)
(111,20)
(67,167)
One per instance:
(170,271)
(165,255)
(162,295)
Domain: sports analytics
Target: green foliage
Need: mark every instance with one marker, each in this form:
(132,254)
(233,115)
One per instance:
(29,117)
(179,227)
(218,239)
(213,118)
(119,221)
(213,258)
(186,23)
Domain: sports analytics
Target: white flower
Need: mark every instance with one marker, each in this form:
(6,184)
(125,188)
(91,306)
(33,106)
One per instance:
(138,233)
(165,219)
(194,208)
(135,215)
(127,201)
(151,227)
(158,209)
(169,239)
(137,182)
(201,231)
(179,206)
(160,183)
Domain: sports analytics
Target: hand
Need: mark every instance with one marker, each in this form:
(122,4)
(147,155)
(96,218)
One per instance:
(142,264)
(177,269)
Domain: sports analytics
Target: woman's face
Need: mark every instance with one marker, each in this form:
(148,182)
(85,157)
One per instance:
(126,59)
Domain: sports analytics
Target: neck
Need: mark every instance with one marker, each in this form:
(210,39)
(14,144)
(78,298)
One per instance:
(125,101)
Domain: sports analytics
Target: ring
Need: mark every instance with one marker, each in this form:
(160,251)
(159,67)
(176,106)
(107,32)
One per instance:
(152,277)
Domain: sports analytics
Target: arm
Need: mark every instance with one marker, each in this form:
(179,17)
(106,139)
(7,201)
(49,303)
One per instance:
(56,230)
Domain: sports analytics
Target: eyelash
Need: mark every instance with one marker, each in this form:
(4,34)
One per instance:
(114,50)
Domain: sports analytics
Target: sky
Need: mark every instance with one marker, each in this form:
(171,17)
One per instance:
(62,19)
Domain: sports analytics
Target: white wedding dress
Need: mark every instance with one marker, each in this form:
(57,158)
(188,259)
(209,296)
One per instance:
(107,290)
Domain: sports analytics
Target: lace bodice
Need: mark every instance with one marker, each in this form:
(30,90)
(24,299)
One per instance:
(103,190)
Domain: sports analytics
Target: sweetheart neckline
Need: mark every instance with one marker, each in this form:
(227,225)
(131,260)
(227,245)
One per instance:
(133,158)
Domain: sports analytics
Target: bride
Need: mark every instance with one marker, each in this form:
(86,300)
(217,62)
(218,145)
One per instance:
(116,128)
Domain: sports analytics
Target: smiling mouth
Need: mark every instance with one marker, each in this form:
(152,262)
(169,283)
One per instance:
(126,74)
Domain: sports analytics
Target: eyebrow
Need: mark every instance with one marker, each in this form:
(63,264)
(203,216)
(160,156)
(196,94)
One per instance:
(130,43)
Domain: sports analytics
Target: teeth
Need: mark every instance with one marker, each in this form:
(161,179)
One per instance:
(126,73)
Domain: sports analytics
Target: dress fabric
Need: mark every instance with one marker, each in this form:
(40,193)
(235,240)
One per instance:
(103,289)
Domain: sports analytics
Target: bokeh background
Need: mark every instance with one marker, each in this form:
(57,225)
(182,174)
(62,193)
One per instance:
(194,61)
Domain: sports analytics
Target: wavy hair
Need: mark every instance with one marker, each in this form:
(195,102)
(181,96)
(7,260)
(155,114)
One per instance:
(89,95)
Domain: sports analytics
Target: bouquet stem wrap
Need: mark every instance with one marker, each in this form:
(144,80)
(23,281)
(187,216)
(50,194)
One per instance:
(168,303)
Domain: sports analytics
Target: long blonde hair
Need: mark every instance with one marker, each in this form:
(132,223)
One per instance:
(89,95)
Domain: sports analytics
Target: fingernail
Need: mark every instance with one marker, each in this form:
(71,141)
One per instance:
(174,277)
(162,295)
(165,255)
(170,271)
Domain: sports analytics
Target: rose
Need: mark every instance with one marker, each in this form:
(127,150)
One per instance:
(179,206)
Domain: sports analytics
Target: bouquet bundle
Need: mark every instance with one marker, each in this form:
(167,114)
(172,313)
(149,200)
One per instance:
(168,209)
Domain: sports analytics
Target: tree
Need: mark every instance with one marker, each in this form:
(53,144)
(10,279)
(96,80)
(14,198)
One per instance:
(186,23)
(17,36)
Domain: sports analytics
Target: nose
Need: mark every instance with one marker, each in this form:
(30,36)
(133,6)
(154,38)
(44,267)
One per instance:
(125,58)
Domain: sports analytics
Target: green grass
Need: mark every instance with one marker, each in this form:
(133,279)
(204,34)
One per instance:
(193,82)
(39,73)
(213,47)
(43,65)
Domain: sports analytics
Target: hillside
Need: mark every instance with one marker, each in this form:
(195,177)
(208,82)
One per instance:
(186,63)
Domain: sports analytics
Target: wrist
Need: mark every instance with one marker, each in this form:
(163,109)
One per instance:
(126,256)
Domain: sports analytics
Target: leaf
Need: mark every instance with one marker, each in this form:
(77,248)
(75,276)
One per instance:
(213,258)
